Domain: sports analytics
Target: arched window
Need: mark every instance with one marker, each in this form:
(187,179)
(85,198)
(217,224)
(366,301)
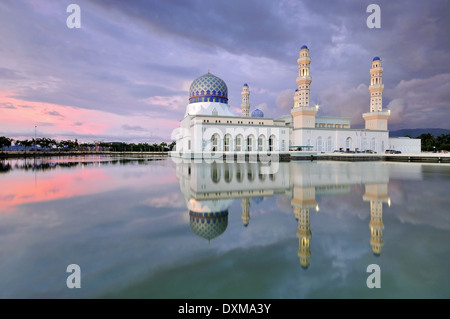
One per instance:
(214,112)
(348,143)
(215,143)
(250,141)
(319,144)
(239,140)
(227,142)
(373,144)
(261,143)
(228,173)
(239,174)
(329,144)
(272,143)
(215,173)
(250,172)
(364,144)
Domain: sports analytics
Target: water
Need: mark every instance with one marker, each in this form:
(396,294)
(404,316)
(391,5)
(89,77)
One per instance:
(306,230)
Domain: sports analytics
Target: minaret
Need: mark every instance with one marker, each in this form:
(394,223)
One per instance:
(303,114)
(245,106)
(376,86)
(376,194)
(245,205)
(376,119)
(301,97)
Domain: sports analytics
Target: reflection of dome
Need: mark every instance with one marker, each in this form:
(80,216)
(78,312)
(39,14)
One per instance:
(257,200)
(208,88)
(208,225)
(376,58)
(257,113)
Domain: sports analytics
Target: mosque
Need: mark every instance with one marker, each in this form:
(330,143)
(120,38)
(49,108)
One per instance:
(210,129)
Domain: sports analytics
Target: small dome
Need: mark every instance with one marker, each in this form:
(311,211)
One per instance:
(257,113)
(245,84)
(208,225)
(303,47)
(257,200)
(376,58)
(208,88)
(296,90)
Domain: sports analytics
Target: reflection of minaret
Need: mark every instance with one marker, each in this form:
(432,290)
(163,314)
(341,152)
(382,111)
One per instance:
(303,235)
(304,198)
(245,204)
(377,195)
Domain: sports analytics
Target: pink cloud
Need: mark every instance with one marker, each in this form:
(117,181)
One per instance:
(63,120)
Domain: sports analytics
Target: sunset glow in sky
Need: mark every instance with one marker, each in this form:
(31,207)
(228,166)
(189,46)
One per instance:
(125,74)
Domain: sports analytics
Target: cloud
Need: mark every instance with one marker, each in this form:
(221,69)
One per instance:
(420,103)
(7,106)
(340,100)
(54,113)
(133,128)
(285,100)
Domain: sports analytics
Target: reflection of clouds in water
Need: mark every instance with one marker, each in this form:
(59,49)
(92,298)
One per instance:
(123,234)
(425,202)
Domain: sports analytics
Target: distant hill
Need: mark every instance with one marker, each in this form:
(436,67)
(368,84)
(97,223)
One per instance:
(415,132)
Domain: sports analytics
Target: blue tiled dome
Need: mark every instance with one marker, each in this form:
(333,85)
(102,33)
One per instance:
(376,58)
(257,113)
(208,88)
(245,84)
(208,225)
(303,47)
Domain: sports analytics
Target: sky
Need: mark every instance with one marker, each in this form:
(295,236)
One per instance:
(124,75)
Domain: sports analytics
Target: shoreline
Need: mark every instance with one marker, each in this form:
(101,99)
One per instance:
(28,154)
(352,157)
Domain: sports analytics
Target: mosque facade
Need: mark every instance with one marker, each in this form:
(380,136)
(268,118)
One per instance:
(209,128)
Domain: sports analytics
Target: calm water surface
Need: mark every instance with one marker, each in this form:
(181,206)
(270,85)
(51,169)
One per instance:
(143,228)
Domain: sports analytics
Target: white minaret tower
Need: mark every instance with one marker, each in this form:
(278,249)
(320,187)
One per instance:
(301,97)
(376,86)
(377,118)
(245,106)
(304,116)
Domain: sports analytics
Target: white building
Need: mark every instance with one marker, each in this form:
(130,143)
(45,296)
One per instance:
(210,130)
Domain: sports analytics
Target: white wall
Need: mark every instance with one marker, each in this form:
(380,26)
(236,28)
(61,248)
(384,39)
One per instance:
(405,144)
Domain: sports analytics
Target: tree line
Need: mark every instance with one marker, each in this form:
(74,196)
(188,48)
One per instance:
(45,143)
(430,143)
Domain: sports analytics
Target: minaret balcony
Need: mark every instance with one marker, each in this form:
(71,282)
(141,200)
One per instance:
(303,60)
(376,70)
(303,79)
(382,113)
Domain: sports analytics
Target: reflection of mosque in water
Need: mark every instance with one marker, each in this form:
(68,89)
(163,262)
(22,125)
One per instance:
(210,189)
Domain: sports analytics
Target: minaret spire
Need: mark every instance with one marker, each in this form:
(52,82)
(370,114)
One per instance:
(245,106)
